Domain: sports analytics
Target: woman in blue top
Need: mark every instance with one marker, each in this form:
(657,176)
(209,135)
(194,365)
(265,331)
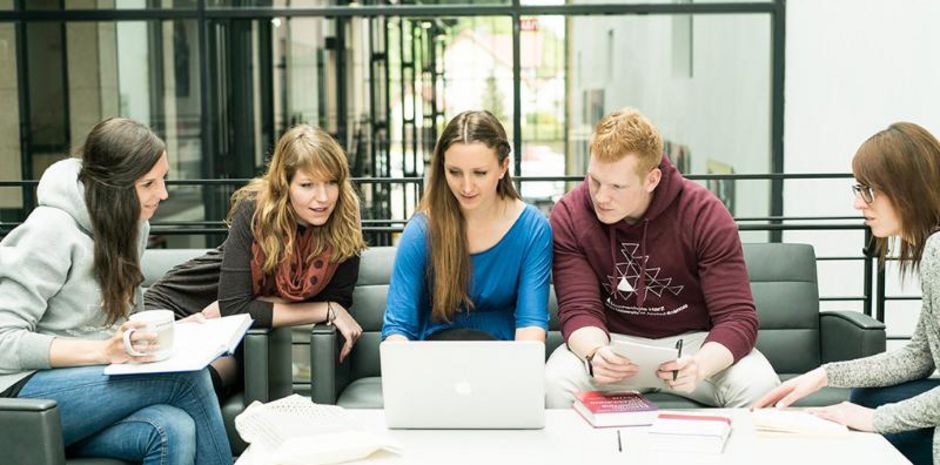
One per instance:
(474,262)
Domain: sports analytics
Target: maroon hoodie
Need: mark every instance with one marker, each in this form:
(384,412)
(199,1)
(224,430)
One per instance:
(678,269)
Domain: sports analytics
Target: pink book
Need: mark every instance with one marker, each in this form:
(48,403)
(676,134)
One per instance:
(604,410)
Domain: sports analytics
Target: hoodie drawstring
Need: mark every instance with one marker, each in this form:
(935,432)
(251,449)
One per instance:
(641,281)
(612,234)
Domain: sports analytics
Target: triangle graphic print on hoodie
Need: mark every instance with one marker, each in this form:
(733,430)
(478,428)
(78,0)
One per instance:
(627,276)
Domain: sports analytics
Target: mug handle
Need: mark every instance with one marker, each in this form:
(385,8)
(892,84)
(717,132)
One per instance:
(128,346)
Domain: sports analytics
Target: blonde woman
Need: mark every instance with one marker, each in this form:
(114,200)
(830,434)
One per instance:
(292,253)
(474,263)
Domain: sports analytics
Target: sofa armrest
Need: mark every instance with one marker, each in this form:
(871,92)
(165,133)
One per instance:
(323,356)
(32,432)
(268,369)
(846,335)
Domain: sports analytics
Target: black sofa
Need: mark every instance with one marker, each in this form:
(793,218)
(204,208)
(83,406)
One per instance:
(794,334)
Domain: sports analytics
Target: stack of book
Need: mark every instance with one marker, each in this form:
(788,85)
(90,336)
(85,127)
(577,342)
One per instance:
(690,433)
(604,410)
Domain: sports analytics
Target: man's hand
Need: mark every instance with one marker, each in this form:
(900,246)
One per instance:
(610,368)
(852,415)
(687,374)
(711,358)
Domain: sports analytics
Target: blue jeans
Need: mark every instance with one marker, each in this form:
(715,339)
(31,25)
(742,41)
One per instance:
(166,419)
(916,445)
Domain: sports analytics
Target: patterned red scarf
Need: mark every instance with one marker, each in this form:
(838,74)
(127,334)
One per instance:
(296,279)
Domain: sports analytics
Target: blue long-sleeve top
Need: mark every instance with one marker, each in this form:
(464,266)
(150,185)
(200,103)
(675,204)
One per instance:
(508,286)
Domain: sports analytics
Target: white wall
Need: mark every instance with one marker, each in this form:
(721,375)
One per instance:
(853,67)
(721,112)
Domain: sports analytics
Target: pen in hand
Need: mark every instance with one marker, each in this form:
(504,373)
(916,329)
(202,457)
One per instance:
(679,347)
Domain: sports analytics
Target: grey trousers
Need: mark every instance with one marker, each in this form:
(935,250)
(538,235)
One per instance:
(736,386)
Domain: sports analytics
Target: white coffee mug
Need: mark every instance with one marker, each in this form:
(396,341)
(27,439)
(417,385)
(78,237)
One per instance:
(157,321)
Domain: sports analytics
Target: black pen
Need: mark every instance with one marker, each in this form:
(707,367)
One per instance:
(619,444)
(678,346)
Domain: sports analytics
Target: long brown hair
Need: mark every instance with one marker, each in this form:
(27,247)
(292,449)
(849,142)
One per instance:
(311,150)
(449,273)
(116,153)
(902,163)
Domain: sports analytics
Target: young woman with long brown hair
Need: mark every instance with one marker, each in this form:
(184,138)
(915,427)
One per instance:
(898,192)
(474,262)
(69,277)
(292,253)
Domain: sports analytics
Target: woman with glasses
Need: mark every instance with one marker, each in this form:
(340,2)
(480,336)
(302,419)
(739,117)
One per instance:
(898,193)
(474,262)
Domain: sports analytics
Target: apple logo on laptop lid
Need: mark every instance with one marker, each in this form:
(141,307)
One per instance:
(463,388)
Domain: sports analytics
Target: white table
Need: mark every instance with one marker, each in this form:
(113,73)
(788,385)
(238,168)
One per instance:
(569,440)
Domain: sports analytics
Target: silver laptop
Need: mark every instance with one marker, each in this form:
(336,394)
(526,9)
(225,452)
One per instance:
(464,384)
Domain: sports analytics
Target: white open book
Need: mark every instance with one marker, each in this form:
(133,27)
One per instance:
(196,345)
(647,358)
(794,421)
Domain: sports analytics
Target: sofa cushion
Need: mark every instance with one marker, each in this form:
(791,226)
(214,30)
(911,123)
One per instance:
(783,282)
(156,262)
(363,393)
(231,408)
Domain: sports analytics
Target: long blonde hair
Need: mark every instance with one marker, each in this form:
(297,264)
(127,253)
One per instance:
(450,271)
(274,224)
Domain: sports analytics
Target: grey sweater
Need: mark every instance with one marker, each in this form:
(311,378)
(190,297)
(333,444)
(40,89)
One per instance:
(916,360)
(47,284)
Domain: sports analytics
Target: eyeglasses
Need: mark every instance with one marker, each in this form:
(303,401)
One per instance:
(867,193)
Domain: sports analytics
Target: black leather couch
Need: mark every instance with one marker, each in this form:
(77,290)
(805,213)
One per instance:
(31,430)
(794,335)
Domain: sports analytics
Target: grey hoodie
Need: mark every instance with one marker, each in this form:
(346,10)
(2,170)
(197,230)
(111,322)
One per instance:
(47,284)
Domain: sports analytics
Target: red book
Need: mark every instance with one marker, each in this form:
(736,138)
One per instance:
(603,410)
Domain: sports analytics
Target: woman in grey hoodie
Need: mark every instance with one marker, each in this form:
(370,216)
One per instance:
(69,277)
(898,192)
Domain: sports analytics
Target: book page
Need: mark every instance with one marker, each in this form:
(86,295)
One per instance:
(794,421)
(195,346)
(647,358)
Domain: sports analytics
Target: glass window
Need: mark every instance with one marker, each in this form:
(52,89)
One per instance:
(271,3)
(129,4)
(543,61)
(78,75)
(704,81)
(580,2)
(328,3)
(11,198)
